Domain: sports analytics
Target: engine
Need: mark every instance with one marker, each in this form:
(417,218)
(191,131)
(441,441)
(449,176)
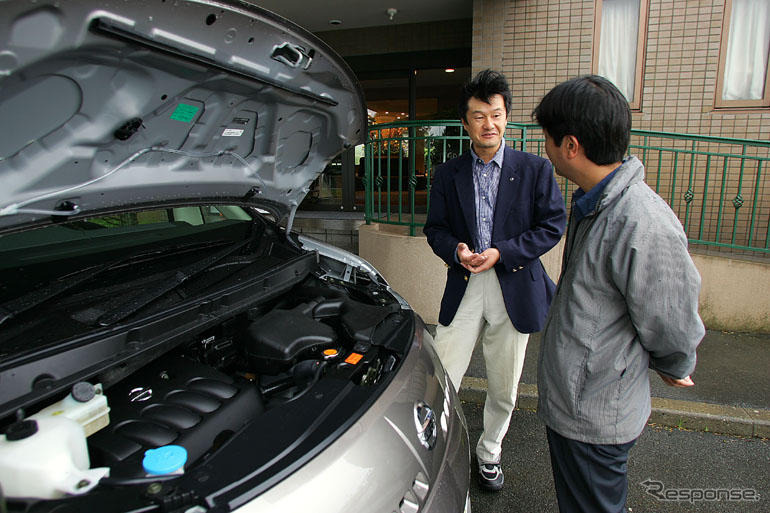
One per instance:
(207,390)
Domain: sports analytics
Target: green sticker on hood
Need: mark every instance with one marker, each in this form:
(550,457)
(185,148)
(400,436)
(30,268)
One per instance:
(184,112)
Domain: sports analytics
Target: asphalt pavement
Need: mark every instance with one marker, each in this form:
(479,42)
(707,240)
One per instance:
(669,469)
(731,393)
(706,448)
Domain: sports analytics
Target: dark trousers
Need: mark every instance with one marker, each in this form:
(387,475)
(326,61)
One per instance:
(589,478)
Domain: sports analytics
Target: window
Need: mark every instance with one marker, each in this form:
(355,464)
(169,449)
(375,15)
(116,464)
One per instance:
(620,33)
(743,58)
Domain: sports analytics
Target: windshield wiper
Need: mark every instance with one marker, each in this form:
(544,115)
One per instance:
(21,304)
(169,284)
(11,309)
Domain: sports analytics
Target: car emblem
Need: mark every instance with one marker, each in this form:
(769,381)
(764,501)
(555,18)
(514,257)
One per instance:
(140,394)
(425,420)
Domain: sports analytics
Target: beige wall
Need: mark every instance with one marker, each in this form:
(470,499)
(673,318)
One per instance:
(411,268)
(734,294)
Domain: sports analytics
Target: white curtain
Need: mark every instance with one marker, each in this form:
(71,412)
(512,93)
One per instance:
(747,48)
(617,44)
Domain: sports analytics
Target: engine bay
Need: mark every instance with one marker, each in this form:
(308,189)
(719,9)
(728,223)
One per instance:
(200,394)
(273,381)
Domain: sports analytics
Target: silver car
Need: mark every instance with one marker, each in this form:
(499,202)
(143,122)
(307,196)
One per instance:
(166,342)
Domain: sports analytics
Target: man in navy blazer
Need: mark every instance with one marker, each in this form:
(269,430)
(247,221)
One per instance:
(493,212)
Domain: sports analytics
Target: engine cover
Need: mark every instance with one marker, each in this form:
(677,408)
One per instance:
(176,400)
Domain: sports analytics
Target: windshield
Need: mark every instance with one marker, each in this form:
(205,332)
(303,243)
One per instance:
(92,234)
(96,272)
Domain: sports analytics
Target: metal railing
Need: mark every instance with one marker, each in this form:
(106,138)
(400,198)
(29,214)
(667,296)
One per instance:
(718,187)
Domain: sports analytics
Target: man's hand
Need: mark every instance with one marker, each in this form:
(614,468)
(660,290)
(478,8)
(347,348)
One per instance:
(477,262)
(468,258)
(680,383)
(491,256)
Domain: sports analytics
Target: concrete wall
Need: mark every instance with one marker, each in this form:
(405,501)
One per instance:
(734,294)
(413,270)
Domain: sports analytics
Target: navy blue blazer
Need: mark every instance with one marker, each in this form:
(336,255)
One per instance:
(529,220)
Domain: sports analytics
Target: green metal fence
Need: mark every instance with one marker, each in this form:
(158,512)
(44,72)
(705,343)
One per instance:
(718,187)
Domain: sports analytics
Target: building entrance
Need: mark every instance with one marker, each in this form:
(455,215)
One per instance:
(391,96)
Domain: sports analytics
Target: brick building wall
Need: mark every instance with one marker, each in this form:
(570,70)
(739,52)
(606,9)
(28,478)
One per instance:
(488,26)
(545,42)
(542,43)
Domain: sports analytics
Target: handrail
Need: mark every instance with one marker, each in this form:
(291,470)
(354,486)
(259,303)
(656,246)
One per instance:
(700,177)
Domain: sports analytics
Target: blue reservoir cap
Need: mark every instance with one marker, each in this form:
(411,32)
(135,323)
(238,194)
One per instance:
(164,460)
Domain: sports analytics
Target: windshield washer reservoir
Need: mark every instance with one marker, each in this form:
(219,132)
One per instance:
(86,405)
(49,463)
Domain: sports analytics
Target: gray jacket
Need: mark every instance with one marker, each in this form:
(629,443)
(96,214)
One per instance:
(627,299)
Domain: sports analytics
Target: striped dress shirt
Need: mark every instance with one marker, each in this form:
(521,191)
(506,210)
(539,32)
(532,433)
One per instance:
(486,178)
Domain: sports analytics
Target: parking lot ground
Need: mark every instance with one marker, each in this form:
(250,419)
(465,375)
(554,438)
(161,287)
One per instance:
(731,393)
(697,468)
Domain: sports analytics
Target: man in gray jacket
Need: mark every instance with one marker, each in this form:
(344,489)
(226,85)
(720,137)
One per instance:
(627,299)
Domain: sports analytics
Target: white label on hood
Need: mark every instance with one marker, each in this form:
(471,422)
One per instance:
(232,132)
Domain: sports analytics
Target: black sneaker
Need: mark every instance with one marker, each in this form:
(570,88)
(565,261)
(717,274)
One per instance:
(491,476)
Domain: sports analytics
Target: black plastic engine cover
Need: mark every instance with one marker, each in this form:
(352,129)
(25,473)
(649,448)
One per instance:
(360,320)
(277,339)
(173,400)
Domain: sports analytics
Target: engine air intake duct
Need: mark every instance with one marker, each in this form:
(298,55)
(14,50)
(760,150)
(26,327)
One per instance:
(279,338)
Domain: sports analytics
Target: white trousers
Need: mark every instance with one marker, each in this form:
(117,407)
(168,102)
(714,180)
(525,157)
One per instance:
(481,317)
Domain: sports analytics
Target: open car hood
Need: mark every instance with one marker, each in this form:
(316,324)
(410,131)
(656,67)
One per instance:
(107,105)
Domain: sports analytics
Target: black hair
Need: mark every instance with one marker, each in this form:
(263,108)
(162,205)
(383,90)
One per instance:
(483,86)
(591,109)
